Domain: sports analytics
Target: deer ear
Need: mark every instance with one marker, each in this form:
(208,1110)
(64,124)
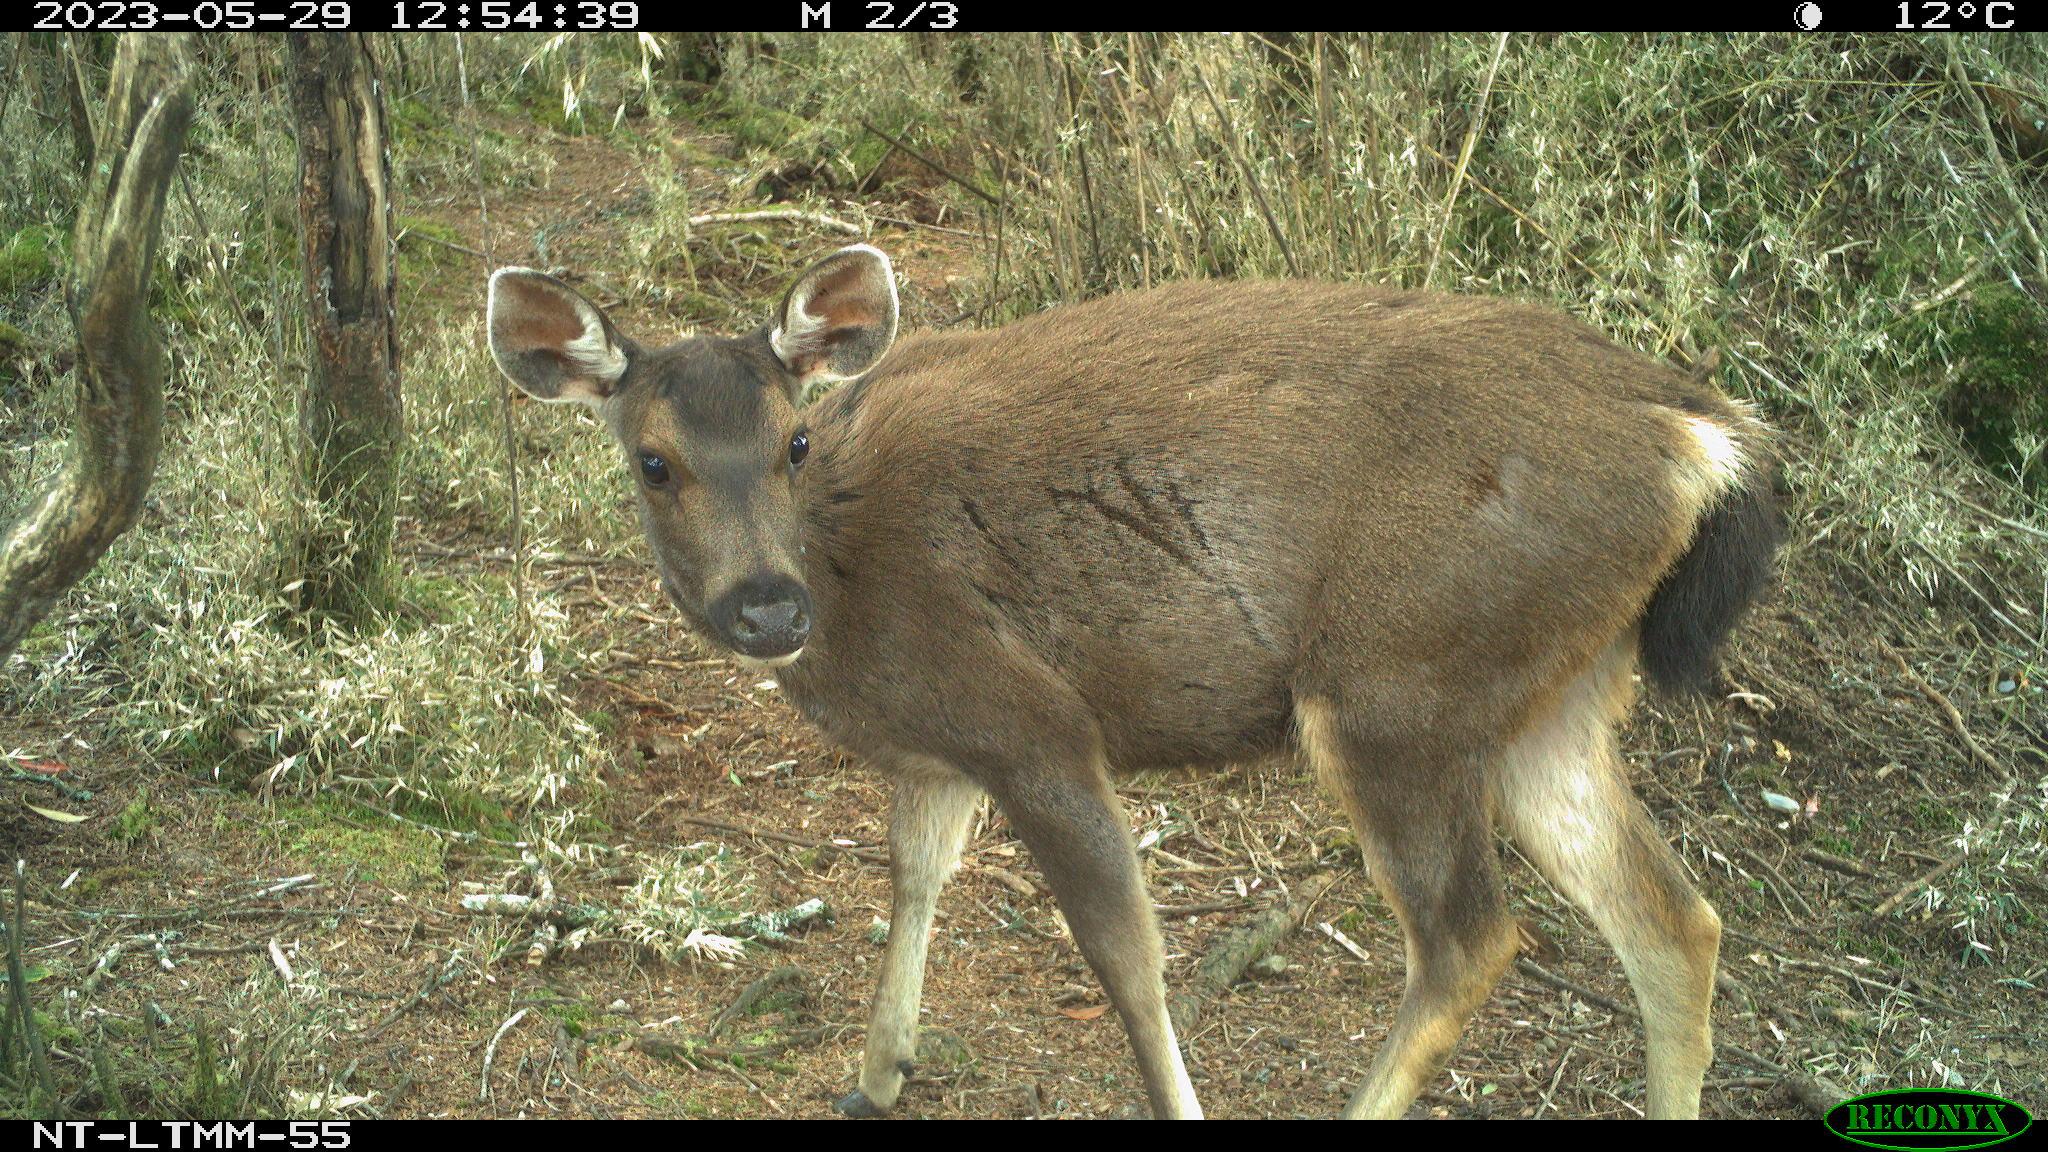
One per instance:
(839,317)
(550,341)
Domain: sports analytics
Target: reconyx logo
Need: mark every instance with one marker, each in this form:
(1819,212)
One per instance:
(1928,1120)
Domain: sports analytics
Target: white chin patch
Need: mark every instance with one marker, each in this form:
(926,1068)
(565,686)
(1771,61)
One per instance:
(777,662)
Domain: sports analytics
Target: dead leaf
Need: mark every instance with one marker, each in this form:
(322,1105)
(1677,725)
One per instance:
(59,817)
(1536,943)
(1089,1013)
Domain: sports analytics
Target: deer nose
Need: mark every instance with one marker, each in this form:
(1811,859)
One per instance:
(779,616)
(769,617)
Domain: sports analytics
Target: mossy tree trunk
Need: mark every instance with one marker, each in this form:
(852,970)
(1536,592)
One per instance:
(98,492)
(352,415)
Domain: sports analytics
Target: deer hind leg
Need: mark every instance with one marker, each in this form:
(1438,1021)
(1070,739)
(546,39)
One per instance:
(929,818)
(1421,819)
(1564,799)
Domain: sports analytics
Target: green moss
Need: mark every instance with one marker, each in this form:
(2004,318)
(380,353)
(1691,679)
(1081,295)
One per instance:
(29,259)
(396,855)
(574,1016)
(1997,395)
(134,821)
(866,153)
(753,127)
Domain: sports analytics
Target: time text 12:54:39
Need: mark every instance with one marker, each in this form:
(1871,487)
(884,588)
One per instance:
(505,15)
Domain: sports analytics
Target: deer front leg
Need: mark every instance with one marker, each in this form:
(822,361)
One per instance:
(929,817)
(1070,820)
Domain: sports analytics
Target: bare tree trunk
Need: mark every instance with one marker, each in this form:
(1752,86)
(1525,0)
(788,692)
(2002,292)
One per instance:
(99,491)
(352,416)
(80,112)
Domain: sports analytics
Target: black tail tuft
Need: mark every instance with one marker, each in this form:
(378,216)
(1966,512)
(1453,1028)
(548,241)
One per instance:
(1704,594)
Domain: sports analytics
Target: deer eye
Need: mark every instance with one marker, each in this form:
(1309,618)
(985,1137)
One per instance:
(799,447)
(653,469)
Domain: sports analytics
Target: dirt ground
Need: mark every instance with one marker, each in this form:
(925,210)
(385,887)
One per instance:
(432,1012)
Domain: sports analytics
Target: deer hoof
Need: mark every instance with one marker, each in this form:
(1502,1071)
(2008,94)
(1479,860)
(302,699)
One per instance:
(857,1105)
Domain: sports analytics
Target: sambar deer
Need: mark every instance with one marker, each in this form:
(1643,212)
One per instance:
(1422,539)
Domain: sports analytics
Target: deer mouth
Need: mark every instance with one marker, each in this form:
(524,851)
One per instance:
(767,663)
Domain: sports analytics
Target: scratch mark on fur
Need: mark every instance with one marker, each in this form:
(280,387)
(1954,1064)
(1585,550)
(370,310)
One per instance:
(974,514)
(1137,525)
(1186,507)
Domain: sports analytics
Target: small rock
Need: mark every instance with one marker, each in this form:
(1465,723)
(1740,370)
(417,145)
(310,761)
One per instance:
(1275,965)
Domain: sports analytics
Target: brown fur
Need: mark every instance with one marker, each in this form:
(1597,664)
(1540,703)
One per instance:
(1411,535)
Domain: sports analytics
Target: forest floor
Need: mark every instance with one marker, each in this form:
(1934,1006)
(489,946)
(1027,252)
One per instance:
(392,996)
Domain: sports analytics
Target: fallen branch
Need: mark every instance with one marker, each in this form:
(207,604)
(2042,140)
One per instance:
(1818,1095)
(1914,885)
(1543,975)
(1173,910)
(1955,717)
(1010,880)
(872,855)
(1836,863)
(696,1055)
(901,222)
(773,927)
(1767,866)
(753,994)
(491,1050)
(278,961)
(1847,974)
(405,234)
(104,965)
(934,165)
(434,984)
(818,218)
(1226,960)
(642,699)
(1344,942)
